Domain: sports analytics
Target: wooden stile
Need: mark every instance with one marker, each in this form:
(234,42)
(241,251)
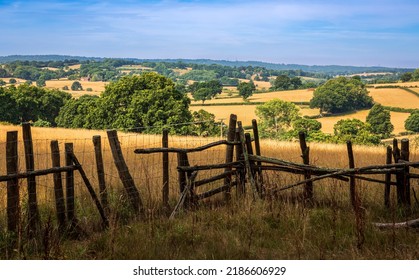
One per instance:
(13,196)
(103,192)
(126,178)
(33,213)
(246,160)
(58,187)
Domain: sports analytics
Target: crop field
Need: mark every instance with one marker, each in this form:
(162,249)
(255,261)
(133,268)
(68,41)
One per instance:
(395,97)
(97,87)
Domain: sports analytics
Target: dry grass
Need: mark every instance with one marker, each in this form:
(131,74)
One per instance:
(395,97)
(97,87)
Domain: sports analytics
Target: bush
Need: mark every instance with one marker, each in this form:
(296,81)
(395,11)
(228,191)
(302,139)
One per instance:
(412,122)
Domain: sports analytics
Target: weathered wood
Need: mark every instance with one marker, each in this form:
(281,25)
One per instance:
(214,178)
(124,174)
(305,154)
(246,160)
(230,153)
(404,155)
(100,167)
(92,193)
(184,162)
(188,168)
(184,194)
(212,192)
(241,180)
(58,187)
(33,213)
(352,189)
(165,189)
(35,173)
(180,150)
(69,187)
(387,187)
(13,196)
(259,178)
(407,224)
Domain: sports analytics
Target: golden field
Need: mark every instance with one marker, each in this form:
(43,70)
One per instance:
(97,87)
(395,97)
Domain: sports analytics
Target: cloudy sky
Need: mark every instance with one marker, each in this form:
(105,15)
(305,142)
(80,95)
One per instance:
(317,32)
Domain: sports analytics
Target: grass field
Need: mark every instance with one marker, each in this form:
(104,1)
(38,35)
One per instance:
(97,87)
(395,97)
(276,228)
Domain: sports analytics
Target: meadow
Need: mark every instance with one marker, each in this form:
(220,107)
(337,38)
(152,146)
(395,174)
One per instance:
(279,227)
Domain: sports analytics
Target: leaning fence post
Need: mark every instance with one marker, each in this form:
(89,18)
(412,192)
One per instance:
(13,207)
(124,175)
(230,152)
(58,187)
(246,161)
(103,192)
(69,180)
(404,155)
(399,175)
(258,153)
(387,187)
(305,154)
(165,189)
(352,188)
(241,171)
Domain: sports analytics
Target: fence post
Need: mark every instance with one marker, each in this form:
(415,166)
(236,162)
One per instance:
(399,175)
(13,207)
(239,156)
(69,185)
(305,154)
(103,192)
(165,190)
(182,158)
(352,188)
(404,156)
(33,214)
(246,160)
(387,187)
(58,187)
(124,175)
(259,180)
(230,152)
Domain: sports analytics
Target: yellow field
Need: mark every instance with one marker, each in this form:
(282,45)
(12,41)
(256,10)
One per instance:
(97,87)
(406,84)
(76,66)
(397,119)
(395,97)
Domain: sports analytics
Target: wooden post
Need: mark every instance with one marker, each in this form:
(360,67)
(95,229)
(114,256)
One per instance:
(33,214)
(352,189)
(58,187)
(103,192)
(165,189)
(259,180)
(387,187)
(182,161)
(305,154)
(230,151)
(399,175)
(69,185)
(239,156)
(13,198)
(124,175)
(246,160)
(404,155)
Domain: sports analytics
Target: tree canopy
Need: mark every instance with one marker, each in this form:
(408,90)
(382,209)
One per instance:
(412,122)
(246,89)
(379,120)
(341,95)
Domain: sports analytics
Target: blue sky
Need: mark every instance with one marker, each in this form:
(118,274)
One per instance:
(318,32)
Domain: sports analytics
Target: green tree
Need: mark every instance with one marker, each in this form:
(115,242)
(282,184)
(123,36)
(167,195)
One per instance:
(204,124)
(8,111)
(205,90)
(305,125)
(276,116)
(380,121)
(412,122)
(2,83)
(415,75)
(41,82)
(406,77)
(78,113)
(355,131)
(341,95)
(76,86)
(282,82)
(12,81)
(246,89)
(296,82)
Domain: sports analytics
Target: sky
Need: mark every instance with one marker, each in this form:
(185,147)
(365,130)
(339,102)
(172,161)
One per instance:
(317,32)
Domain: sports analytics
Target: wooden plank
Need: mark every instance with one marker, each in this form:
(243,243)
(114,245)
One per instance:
(387,187)
(214,178)
(124,174)
(188,168)
(184,194)
(404,155)
(33,213)
(42,172)
(247,162)
(165,189)
(352,189)
(58,187)
(212,192)
(69,185)
(230,152)
(180,150)
(13,196)
(305,154)
(103,192)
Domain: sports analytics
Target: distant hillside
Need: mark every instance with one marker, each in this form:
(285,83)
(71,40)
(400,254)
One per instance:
(329,69)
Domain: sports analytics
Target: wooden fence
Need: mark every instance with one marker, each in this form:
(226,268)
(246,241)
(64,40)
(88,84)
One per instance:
(242,170)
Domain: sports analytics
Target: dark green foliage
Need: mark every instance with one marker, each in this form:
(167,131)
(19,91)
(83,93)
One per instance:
(12,81)
(204,124)
(406,77)
(76,86)
(281,82)
(200,75)
(2,83)
(306,125)
(355,131)
(379,120)
(8,107)
(78,113)
(412,122)
(246,89)
(341,95)
(205,90)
